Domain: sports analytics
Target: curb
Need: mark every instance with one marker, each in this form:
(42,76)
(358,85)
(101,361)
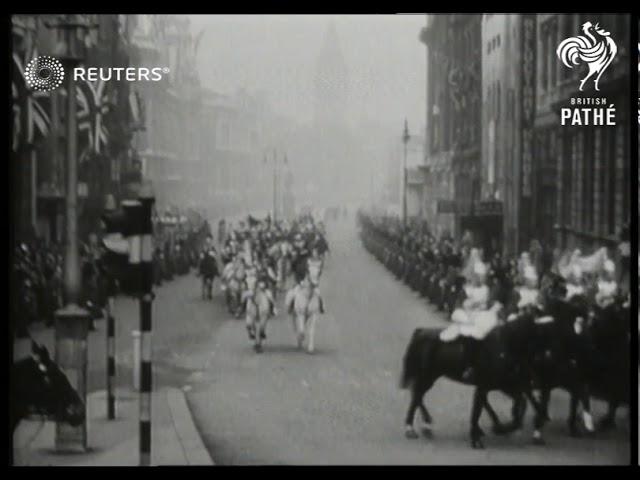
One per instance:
(194,450)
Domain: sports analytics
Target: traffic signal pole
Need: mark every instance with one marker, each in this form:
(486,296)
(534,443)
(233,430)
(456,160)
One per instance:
(111,332)
(140,258)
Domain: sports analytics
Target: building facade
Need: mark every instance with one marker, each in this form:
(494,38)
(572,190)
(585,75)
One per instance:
(453,135)
(508,90)
(581,192)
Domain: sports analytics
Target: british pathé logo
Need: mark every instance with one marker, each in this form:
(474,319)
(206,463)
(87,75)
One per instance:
(597,49)
(586,111)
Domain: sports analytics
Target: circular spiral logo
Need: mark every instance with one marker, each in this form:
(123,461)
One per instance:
(44,73)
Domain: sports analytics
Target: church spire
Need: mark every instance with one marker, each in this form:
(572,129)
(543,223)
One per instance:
(331,80)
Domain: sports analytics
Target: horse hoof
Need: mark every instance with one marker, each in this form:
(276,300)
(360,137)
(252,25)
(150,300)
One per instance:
(539,441)
(606,424)
(477,444)
(257,348)
(410,433)
(575,433)
(427,432)
(501,430)
(310,351)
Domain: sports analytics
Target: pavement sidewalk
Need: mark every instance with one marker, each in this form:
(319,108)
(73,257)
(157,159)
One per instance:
(174,438)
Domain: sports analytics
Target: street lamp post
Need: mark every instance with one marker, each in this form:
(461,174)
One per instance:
(275,181)
(72,321)
(405,141)
(275,184)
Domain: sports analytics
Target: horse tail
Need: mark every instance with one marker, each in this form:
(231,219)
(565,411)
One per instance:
(411,362)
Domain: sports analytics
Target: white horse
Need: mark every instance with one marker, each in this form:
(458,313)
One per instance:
(258,309)
(590,264)
(306,309)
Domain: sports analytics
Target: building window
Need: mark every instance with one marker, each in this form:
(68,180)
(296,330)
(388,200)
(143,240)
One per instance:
(553,38)
(498,101)
(545,54)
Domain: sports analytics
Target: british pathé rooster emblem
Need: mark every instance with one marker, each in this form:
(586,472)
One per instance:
(597,49)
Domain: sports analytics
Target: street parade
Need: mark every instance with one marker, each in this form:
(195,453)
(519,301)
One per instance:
(568,321)
(322,240)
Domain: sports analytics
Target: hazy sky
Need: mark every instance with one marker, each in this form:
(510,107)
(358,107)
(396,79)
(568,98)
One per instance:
(278,54)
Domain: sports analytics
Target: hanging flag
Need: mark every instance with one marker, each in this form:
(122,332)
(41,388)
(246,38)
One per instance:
(33,104)
(94,103)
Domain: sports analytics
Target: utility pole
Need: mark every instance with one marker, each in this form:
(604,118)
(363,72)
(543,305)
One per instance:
(405,141)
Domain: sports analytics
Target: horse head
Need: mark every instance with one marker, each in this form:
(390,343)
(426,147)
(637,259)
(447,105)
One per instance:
(41,387)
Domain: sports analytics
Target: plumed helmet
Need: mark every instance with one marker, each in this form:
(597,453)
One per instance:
(530,273)
(576,272)
(480,269)
(609,266)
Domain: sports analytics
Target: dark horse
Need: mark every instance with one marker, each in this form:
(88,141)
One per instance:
(559,352)
(502,366)
(38,386)
(610,361)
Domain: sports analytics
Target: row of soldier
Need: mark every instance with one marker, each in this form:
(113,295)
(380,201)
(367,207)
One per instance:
(579,297)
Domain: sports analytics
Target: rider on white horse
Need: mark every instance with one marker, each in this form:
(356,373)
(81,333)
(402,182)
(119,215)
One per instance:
(314,269)
(313,272)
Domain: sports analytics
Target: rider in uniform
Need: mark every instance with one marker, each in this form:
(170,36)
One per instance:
(575,283)
(607,287)
(314,270)
(474,319)
(267,280)
(526,298)
(208,265)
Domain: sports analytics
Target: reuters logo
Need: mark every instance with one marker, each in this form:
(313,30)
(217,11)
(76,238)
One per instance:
(44,73)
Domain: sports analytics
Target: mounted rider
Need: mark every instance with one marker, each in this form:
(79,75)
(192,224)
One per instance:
(476,316)
(208,265)
(526,298)
(607,286)
(306,267)
(267,280)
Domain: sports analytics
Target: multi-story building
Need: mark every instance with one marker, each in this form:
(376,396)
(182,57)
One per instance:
(40,136)
(453,136)
(508,91)
(581,191)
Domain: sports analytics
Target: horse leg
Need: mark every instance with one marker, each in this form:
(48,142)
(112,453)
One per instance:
(541,416)
(479,400)
(573,413)
(311,329)
(300,324)
(417,392)
(587,418)
(428,421)
(251,329)
(608,422)
(498,427)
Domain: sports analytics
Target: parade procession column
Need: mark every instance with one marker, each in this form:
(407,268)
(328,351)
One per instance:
(72,321)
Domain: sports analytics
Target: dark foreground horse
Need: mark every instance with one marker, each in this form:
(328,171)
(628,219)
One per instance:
(559,359)
(502,366)
(610,360)
(39,387)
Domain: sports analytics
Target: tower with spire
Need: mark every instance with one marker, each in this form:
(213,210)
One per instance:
(331,83)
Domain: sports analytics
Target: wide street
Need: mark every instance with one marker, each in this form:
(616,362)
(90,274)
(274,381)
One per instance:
(341,405)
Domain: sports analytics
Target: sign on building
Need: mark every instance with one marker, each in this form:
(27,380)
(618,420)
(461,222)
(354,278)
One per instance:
(446,206)
(528,77)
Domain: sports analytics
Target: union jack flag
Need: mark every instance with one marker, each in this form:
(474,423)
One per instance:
(26,102)
(93,104)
